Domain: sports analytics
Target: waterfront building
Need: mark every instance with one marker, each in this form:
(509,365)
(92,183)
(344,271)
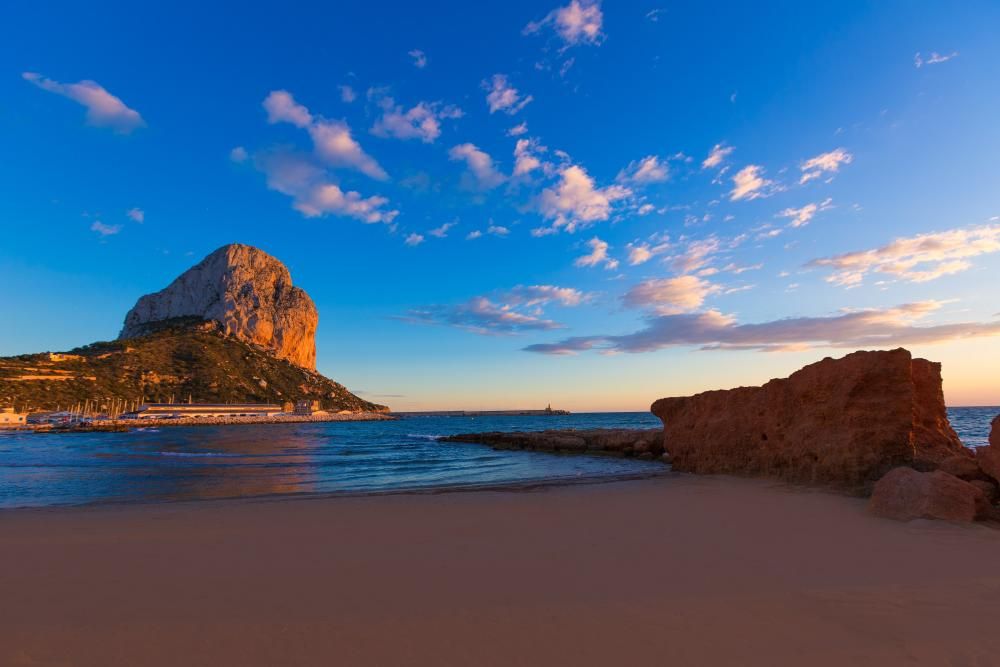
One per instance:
(9,418)
(179,410)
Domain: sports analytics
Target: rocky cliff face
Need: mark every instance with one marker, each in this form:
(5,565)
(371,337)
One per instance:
(248,292)
(839,422)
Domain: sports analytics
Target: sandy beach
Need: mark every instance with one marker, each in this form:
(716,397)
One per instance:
(674,570)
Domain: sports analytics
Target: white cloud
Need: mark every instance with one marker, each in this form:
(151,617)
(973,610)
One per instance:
(824,163)
(502,96)
(332,139)
(105,230)
(238,154)
(716,156)
(525,160)
(136,215)
(749,183)
(670,296)
(933,59)
(879,328)
(497,230)
(419,58)
(518,130)
(480,166)
(541,295)
(103,108)
(801,216)
(442,231)
(639,254)
(422,121)
(915,259)
(575,201)
(347,93)
(697,255)
(649,169)
(474,234)
(281,107)
(313,194)
(414,239)
(579,22)
(598,255)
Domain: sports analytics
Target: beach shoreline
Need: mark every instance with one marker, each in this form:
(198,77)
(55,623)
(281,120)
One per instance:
(675,569)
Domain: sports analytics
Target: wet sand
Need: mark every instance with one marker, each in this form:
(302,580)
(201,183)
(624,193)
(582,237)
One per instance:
(674,570)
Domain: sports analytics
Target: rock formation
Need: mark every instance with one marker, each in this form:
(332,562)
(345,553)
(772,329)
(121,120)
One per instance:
(248,292)
(988,457)
(839,422)
(644,443)
(905,494)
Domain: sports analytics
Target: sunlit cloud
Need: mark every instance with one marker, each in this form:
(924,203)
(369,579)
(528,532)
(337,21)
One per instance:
(518,130)
(716,156)
(481,174)
(103,229)
(313,194)
(669,296)
(422,121)
(414,239)
(800,217)
(916,259)
(712,330)
(526,158)
(347,93)
(501,96)
(597,256)
(103,108)
(749,183)
(332,140)
(136,215)
(576,201)
(824,163)
(442,231)
(579,22)
(650,169)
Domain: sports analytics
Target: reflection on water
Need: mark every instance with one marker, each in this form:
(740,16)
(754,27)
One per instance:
(191,463)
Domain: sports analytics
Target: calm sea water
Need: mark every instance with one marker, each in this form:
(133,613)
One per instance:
(203,462)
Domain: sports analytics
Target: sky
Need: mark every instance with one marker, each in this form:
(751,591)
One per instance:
(507,205)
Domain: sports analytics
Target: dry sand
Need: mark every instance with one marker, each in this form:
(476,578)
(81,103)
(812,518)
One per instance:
(669,571)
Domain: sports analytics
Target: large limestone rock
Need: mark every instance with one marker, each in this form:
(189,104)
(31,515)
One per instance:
(248,292)
(839,422)
(905,494)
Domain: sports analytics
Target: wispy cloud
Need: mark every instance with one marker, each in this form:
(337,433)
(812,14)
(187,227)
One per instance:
(518,130)
(916,258)
(824,163)
(347,93)
(502,313)
(870,328)
(105,230)
(933,59)
(313,194)
(650,169)
(442,231)
(332,139)
(669,296)
(419,58)
(501,96)
(103,108)
(526,158)
(414,239)
(136,215)
(800,217)
(422,121)
(579,22)
(716,156)
(239,154)
(481,173)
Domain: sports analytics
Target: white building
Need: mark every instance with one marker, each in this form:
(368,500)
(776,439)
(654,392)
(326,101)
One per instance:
(10,419)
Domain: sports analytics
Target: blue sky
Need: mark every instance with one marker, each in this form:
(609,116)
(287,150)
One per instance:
(589,204)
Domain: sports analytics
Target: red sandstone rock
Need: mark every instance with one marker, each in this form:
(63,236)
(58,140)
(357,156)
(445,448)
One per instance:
(838,422)
(905,494)
(988,457)
(963,466)
(626,442)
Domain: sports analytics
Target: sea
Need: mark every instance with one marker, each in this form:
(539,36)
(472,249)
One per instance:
(192,463)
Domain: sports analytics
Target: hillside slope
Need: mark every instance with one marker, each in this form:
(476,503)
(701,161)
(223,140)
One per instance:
(180,358)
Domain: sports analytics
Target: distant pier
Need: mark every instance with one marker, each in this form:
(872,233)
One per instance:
(547,412)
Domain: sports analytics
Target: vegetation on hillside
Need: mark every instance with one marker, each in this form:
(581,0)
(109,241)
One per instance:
(181,359)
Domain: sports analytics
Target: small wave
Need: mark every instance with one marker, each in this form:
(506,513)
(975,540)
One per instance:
(424,436)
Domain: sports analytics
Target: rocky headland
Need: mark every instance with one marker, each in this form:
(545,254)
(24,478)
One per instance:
(232,329)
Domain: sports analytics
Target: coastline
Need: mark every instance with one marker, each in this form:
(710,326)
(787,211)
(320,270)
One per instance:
(683,570)
(216,421)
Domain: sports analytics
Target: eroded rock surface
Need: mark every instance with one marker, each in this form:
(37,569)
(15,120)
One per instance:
(248,292)
(905,494)
(839,422)
(988,457)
